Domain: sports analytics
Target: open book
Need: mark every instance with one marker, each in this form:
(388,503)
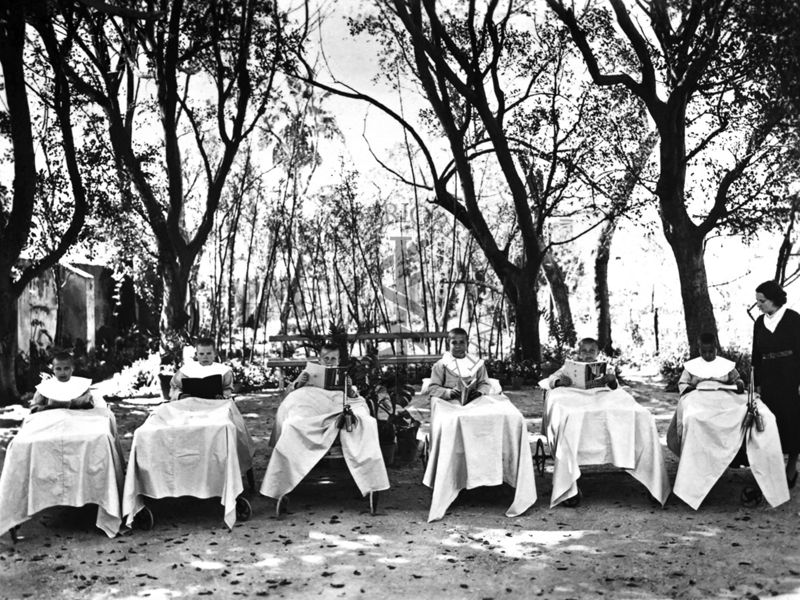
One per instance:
(202,387)
(466,389)
(327,378)
(585,375)
(709,385)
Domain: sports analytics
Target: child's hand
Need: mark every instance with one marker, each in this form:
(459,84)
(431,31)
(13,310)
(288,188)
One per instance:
(473,393)
(455,394)
(301,380)
(82,401)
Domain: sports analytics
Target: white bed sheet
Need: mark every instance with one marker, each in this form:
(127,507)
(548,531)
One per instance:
(64,457)
(483,443)
(190,447)
(602,426)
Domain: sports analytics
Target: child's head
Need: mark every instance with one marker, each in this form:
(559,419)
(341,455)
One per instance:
(204,351)
(457,342)
(63,365)
(329,355)
(708,346)
(588,349)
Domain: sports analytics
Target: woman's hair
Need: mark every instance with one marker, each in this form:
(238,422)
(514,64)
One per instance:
(772,291)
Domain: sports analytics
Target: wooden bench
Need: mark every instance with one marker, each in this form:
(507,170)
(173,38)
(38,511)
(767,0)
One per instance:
(282,362)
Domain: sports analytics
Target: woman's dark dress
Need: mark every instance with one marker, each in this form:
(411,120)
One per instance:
(776,361)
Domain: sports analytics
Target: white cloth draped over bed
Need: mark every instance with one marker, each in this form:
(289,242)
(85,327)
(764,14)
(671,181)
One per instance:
(304,431)
(706,433)
(602,426)
(483,443)
(64,457)
(191,447)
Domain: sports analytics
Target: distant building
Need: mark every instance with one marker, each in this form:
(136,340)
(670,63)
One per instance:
(73,303)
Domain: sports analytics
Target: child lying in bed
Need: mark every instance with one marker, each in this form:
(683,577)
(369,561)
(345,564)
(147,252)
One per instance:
(708,367)
(588,350)
(63,390)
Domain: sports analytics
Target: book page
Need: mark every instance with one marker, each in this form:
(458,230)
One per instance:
(466,389)
(584,374)
(710,385)
(316,374)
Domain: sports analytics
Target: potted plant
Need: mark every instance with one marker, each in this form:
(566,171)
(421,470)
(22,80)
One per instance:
(516,370)
(387,395)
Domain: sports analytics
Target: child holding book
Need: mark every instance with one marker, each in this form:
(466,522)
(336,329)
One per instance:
(588,350)
(708,367)
(202,377)
(329,357)
(458,377)
(63,390)
(307,423)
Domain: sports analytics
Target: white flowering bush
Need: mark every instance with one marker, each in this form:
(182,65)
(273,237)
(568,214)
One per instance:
(139,379)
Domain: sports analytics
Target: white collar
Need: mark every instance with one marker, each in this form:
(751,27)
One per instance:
(194,369)
(771,321)
(719,367)
(464,367)
(64,390)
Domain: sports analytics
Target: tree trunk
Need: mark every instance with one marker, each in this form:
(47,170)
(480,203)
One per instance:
(684,237)
(697,307)
(601,295)
(620,205)
(785,251)
(521,289)
(560,295)
(8,346)
(174,317)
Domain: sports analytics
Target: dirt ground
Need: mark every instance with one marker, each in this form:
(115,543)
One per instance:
(616,544)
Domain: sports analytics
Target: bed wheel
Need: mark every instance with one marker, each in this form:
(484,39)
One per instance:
(13,533)
(539,458)
(373,503)
(243,509)
(144,520)
(751,497)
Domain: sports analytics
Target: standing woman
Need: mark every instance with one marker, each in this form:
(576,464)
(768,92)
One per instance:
(776,363)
